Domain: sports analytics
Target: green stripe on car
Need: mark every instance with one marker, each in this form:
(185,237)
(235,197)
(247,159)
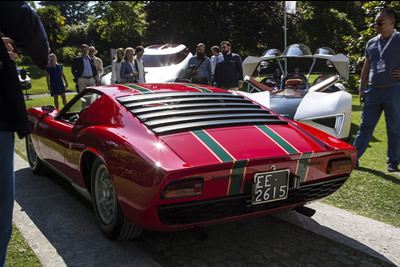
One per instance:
(141,89)
(213,146)
(277,139)
(198,87)
(303,166)
(237,175)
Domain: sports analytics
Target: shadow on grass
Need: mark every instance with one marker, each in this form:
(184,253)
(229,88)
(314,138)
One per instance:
(380,174)
(353,132)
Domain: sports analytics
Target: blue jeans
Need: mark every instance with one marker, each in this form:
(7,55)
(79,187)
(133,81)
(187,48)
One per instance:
(6,191)
(377,100)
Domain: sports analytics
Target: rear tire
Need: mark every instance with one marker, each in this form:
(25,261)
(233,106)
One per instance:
(110,217)
(35,163)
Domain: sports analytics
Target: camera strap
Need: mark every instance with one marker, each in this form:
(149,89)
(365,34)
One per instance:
(198,66)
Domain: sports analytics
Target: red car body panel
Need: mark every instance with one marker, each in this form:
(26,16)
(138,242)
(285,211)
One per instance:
(142,163)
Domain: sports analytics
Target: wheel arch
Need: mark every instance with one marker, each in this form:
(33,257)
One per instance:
(87,159)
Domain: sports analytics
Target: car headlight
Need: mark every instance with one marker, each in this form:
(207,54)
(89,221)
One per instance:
(183,188)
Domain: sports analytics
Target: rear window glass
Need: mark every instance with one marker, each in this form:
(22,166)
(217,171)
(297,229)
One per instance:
(164,60)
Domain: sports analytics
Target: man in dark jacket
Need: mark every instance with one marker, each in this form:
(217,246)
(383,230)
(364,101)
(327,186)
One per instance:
(84,70)
(23,26)
(229,72)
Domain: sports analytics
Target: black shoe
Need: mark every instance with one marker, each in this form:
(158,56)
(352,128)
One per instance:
(392,167)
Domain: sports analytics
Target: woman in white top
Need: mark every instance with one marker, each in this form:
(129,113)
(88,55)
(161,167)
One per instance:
(139,64)
(116,66)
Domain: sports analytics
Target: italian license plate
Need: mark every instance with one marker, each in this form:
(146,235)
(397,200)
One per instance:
(270,186)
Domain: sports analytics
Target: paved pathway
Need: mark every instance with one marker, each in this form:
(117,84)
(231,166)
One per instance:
(46,95)
(61,228)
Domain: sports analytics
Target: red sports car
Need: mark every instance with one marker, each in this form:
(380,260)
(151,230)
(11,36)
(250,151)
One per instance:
(173,156)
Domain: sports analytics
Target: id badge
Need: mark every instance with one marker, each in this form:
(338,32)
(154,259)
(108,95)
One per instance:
(380,66)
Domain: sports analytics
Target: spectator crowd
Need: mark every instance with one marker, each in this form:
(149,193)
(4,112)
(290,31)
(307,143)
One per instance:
(223,70)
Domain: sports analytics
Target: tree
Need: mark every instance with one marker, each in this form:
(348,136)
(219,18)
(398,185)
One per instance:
(119,23)
(53,23)
(251,26)
(76,35)
(75,12)
(310,26)
(356,43)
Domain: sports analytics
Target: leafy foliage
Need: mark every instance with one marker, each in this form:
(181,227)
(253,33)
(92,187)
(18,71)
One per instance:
(119,23)
(75,12)
(77,34)
(250,26)
(356,43)
(67,54)
(53,23)
(307,26)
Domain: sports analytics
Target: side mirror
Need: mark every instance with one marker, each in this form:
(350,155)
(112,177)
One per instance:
(23,74)
(48,109)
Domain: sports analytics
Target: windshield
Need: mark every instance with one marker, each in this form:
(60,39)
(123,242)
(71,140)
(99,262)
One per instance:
(164,60)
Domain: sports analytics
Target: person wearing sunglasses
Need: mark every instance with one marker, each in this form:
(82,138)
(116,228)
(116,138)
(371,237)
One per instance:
(379,88)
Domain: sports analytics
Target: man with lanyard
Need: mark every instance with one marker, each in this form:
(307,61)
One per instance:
(199,66)
(228,72)
(382,70)
(83,69)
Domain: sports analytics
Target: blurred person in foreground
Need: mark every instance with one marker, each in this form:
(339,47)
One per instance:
(381,71)
(24,28)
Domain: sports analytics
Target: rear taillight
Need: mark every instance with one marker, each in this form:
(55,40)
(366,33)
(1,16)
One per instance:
(184,188)
(339,166)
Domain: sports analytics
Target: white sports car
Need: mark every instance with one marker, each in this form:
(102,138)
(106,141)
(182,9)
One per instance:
(163,63)
(322,103)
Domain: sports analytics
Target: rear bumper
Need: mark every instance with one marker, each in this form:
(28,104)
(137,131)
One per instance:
(226,207)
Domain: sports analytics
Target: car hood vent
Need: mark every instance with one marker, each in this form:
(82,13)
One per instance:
(166,113)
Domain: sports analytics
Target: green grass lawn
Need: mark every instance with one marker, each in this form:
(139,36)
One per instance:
(370,190)
(38,79)
(19,252)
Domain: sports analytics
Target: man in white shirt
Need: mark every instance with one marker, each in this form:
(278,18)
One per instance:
(216,57)
(83,69)
(98,63)
(139,64)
